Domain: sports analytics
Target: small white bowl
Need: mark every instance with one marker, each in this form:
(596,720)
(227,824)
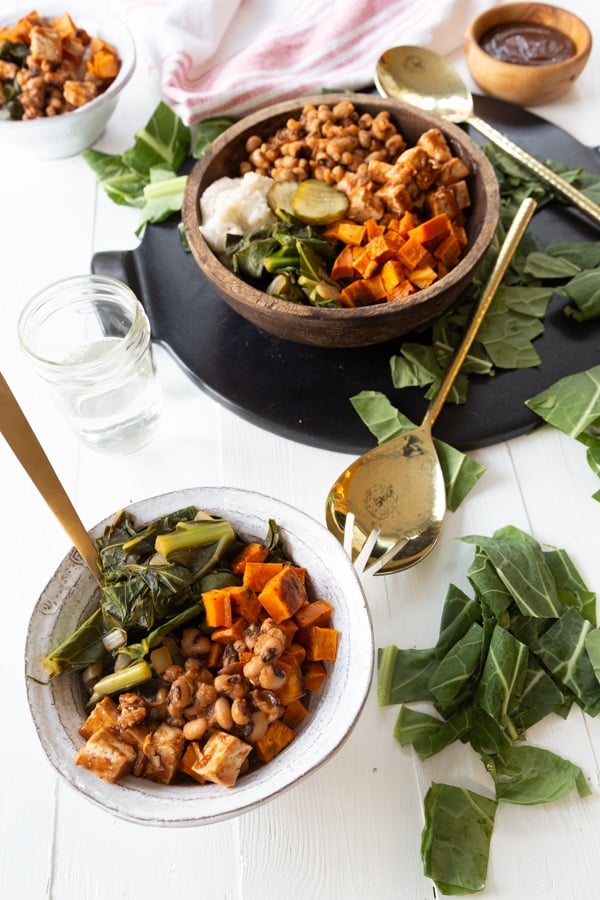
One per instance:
(71,595)
(56,137)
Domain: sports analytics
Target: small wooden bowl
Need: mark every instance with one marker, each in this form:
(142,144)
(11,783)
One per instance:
(526,85)
(341,327)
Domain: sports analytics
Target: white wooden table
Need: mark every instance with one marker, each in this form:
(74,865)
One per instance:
(352,830)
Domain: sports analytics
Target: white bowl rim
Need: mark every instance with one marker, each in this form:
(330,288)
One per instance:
(100,24)
(327,728)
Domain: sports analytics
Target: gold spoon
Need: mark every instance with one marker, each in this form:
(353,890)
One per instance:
(28,450)
(425,79)
(388,506)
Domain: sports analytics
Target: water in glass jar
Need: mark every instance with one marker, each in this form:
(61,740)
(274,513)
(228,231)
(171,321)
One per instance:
(118,410)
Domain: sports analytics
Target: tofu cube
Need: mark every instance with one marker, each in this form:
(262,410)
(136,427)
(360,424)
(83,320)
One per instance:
(163,749)
(106,755)
(222,758)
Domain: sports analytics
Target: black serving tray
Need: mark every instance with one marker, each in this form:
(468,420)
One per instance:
(303,392)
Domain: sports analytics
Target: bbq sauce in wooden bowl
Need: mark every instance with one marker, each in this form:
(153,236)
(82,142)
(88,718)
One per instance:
(527,44)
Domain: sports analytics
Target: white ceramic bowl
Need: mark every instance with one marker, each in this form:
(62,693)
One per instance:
(57,137)
(58,708)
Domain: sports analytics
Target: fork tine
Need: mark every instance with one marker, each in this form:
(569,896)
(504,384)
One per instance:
(362,558)
(349,533)
(386,557)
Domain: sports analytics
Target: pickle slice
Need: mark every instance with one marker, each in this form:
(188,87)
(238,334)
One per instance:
(280,196)
(318,203)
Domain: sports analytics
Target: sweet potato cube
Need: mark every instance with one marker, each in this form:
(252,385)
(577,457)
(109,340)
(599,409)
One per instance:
(373,229)
(230,633)
(284,594)
(459,232)
(105,64)
(294,714)
(383,247)
(253,552)
(244,602)
(316,613)
(343,266)
(217,606)
(223,756)
(103,715)
(191,758)
(412,253)
(293,688)
(278,736)
(314,675)
(289,629)
(347,231)
(408,221)
(256,574)
(392,273)
(296,650)
(107,755)
(433,229)
(64,25)
(321,643)
(423,276)
(365,265)
(359,293)
(448,251)
(401,291)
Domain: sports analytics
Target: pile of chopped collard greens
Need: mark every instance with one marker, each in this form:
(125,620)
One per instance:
(525,646)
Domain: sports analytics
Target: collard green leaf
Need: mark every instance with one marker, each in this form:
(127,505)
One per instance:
(403,675)
(524,572)
(546,266)
(583,254)
(428,734)
(538,697)
(458,614)
(502,679)
(487,738)
(80,649)
(592,646)
(531,775)
(584,291)
(485,581)
(455,843)
(571,404)
(562,650)
(208,130)
(458,666)
(571,587)
(164,141)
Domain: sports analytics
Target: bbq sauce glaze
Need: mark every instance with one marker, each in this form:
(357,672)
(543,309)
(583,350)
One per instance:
(527,44)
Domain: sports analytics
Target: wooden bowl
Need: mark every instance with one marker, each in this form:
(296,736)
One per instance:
(526,85)
(341,327)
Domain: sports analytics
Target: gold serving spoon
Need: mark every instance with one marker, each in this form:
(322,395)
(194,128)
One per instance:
(422,78)
(28,450)
(388,506)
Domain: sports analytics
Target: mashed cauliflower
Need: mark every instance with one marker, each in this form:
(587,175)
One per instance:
(234,206)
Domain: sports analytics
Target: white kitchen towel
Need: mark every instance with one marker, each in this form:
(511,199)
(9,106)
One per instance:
(234,56)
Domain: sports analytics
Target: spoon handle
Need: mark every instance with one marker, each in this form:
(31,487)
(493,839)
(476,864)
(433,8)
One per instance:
(28,450)
(507,250)
(566,190)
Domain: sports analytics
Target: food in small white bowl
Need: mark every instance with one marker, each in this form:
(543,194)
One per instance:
(59,705)
(89,50)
